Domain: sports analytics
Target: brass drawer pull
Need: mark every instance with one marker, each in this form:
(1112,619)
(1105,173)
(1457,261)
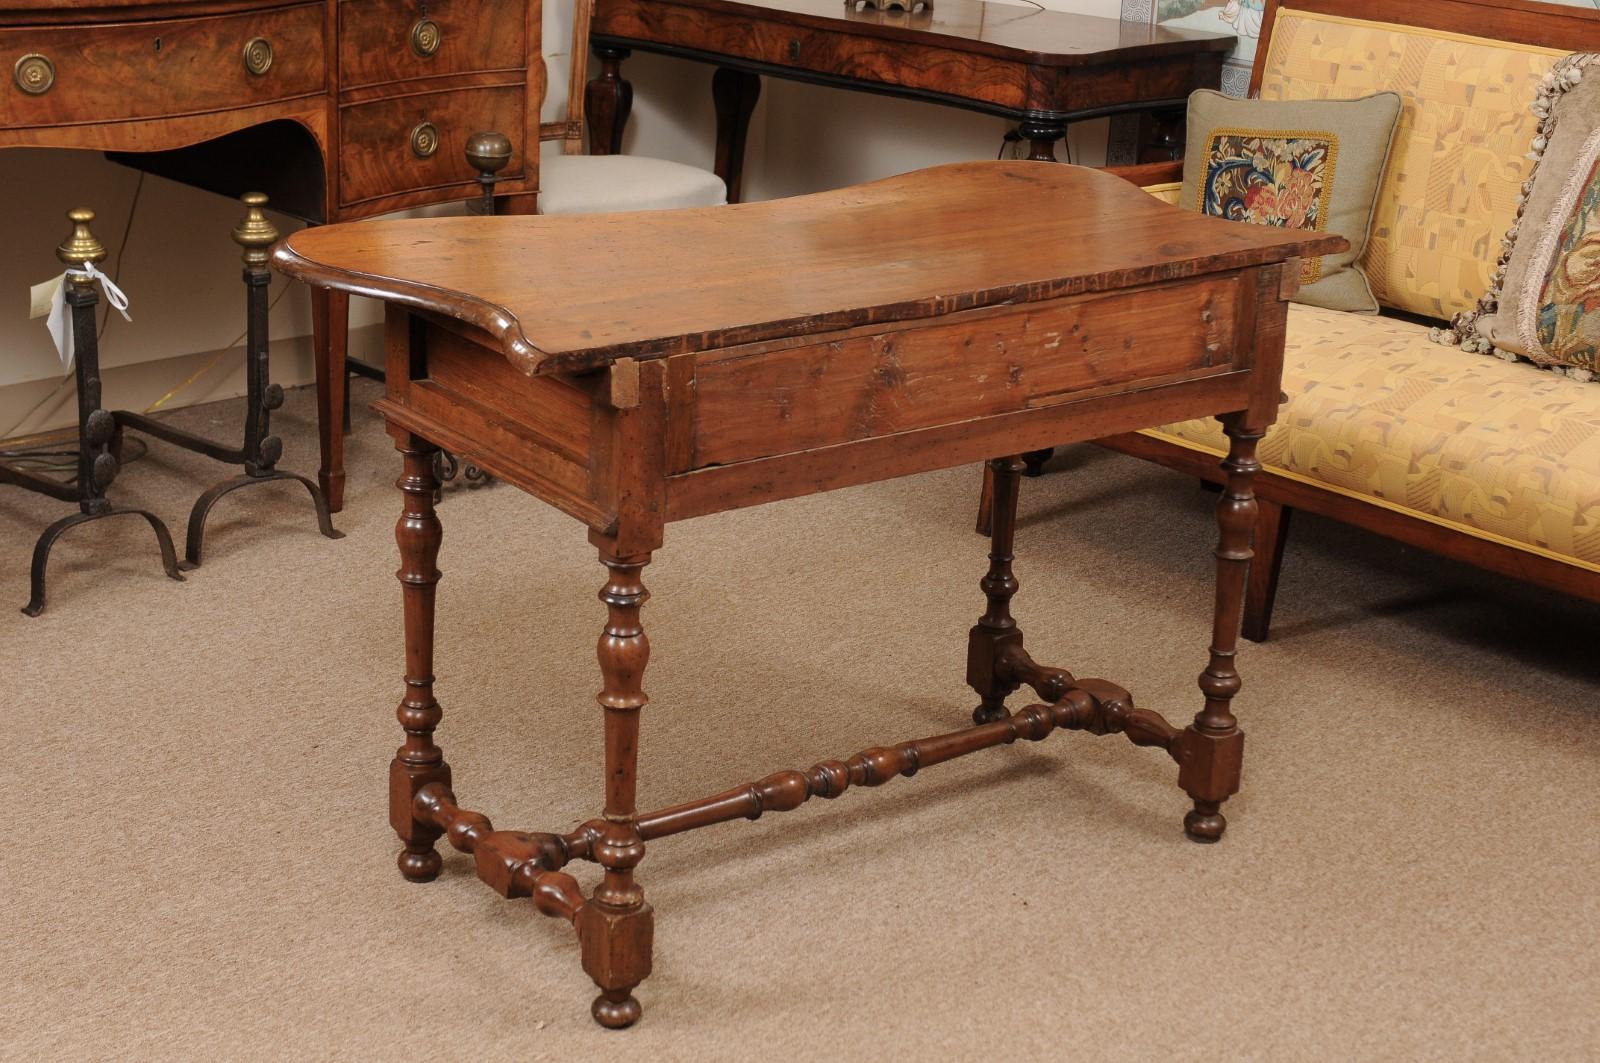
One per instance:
(258,56)
(425,37)
(34,74)
(424,140)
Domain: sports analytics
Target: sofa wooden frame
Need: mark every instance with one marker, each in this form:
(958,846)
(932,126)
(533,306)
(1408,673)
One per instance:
(1279,495)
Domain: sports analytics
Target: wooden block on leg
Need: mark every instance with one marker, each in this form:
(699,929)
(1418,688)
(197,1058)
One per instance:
(419,861)
(616,954)
(1209,766)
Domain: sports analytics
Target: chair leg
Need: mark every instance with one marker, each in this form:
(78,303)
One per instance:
(1271,531)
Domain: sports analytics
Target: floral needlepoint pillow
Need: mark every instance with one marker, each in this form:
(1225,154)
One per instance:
(1312,164)
(1544,303)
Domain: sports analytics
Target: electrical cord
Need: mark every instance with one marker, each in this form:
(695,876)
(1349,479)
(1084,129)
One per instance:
(47,462)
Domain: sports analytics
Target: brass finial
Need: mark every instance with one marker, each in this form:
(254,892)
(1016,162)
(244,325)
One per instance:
(81,245)
(488,153)
(255,233)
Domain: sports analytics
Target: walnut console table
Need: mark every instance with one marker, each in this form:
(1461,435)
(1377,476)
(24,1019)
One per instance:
(1029,304)
(1040,69)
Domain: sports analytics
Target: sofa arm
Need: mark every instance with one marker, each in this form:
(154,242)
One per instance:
(1150,173)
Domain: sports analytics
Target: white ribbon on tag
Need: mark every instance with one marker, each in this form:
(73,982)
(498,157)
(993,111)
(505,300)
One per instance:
(50,301)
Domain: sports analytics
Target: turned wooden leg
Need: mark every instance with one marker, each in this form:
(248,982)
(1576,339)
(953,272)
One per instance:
(330,326)
(607,101)
(734,93)
(418,761)
(1211,750)
(996,633)
(1272,531)
(1041,135)
(615,929)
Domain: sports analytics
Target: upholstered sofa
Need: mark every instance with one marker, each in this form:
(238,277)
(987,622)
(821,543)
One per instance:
(1491,462)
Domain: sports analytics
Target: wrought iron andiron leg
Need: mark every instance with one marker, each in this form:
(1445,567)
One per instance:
(261,449)
(98,462)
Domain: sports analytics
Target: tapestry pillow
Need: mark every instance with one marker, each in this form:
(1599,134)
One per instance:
(1310,164)
(1543,303)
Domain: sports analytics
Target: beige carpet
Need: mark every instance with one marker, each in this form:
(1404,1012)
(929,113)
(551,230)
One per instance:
(198,865)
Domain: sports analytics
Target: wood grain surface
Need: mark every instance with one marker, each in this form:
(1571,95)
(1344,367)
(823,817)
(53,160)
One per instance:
(1057,38)
(571,293)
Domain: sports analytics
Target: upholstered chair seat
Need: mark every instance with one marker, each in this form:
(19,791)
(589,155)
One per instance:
(593,184)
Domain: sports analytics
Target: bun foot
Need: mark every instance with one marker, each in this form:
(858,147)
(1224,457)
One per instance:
(616,1010)
(1205,824)
(421,866)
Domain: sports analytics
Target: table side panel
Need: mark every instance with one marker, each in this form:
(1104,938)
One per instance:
(975,364)
(137,70)
(1248,307)
(539,433)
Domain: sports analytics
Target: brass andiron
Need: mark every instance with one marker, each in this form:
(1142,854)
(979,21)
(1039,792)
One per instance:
(261,450)
(487,153)
(99,438)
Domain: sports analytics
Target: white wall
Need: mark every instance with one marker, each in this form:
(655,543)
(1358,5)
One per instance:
(181,268)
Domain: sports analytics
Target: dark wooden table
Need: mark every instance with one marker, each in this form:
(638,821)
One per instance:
(1040,69)
(1028,305)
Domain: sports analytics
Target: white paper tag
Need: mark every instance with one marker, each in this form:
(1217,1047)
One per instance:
(41,295)
(59,322)
(49,300)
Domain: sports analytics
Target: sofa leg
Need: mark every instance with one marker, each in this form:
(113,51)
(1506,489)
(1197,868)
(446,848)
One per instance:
(1272,529)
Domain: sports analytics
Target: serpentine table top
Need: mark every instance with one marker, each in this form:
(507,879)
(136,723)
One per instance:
(634,369)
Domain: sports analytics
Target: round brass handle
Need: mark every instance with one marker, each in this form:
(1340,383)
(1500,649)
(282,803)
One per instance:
(424,140)
(425,37)
(258,55)
(34,74)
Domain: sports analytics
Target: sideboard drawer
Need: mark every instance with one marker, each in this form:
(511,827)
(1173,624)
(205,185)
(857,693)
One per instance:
(131,70)
(415,142)
(392,40)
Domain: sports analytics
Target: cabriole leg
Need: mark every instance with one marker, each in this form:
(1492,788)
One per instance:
(615,929)
(1211,751)
(418,761)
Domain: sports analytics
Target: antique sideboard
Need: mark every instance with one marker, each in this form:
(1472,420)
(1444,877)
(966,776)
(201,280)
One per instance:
(336,109)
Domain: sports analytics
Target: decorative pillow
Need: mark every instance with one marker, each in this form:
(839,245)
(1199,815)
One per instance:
(1310,164)
(1543,303)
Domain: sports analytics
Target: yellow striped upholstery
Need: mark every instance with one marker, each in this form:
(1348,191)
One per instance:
(1501,450)
(1460,152)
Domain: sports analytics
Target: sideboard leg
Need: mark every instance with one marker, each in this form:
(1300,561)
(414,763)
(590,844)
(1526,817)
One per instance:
(996,632)
(1211,752)
(615,930)
(418,762)
(330,327)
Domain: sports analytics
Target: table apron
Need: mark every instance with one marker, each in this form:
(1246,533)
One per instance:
(793,475)
(1043,105)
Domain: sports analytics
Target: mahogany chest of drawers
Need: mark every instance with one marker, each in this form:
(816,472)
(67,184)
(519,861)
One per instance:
(338,109)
